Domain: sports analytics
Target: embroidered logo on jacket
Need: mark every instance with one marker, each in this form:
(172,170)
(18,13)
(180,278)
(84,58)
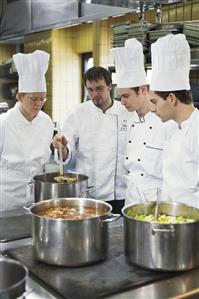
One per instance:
(123,126)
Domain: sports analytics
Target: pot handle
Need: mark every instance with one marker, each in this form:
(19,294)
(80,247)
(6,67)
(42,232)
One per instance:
(26,293)
(30,184)
(28,206)
(30,190)
(163,230)
(88,189)
(113,217)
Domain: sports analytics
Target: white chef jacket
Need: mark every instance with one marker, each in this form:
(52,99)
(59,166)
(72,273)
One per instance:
(181,163)
(97,140)
(143,162)
(24,149)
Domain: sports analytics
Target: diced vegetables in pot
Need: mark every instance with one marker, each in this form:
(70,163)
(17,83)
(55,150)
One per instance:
(162,218)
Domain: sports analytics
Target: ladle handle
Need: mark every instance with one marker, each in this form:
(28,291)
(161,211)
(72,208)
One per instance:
(157,204)
(61,167)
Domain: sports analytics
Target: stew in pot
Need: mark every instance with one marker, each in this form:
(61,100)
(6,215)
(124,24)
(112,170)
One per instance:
(65,179)
(71,213)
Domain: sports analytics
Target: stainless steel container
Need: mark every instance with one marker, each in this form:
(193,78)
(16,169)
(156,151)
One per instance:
(12,278)
(46,187)
(71,242)
(169,247)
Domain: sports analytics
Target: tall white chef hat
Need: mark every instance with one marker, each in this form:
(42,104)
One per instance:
(170,63)
(129,64)
(31,69)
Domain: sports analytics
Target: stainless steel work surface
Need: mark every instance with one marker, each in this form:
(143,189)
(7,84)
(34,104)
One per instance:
(111,276)
(186,285)
(14,226)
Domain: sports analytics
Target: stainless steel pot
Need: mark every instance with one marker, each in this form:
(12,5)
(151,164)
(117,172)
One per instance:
(46,187)
(71,242)
(169,247)
(12,278)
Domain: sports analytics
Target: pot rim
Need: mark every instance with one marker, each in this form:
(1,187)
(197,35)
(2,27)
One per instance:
(69,199)
(18,283)
(161,202)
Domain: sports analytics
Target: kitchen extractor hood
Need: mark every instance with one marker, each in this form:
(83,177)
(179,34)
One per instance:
(21,17)
(134,4)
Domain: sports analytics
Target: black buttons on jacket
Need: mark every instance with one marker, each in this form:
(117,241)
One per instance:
(142,174)
(128,171)
(129,141)
(127,158)
(150,128)
(133,126)
(144,143)
(138,160)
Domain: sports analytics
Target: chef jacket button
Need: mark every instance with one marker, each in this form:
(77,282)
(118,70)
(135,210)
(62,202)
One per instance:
(144,143)
(142,174)
(138,160)
(129,141)
(127,158)
(133,126)
(150,128)
(128,171)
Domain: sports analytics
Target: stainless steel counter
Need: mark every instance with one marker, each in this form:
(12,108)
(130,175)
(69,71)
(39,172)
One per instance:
(34,290)
(184,285)
(12,235)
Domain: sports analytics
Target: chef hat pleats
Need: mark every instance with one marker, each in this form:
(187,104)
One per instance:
(170,63)
(129,64)
(32,68)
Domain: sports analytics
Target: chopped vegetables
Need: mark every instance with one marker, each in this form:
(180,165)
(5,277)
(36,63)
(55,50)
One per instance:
(165,219)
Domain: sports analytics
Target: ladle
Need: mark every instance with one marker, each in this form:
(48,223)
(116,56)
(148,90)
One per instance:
(157,204)
(61,167)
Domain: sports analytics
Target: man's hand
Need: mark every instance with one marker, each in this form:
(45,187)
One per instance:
(64,141)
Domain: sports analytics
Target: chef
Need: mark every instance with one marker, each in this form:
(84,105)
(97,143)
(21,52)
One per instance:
(25,132)
(146,133)
(172,99)
(94,134)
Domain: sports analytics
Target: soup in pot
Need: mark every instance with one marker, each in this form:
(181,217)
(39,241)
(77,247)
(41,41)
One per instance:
(71,213)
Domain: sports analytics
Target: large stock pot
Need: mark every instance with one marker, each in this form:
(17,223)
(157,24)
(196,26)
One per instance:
(46,187)
(157,246)
(13,277)
(71,242)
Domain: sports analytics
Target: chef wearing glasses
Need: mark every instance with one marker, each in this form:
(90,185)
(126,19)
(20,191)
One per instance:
(25,132)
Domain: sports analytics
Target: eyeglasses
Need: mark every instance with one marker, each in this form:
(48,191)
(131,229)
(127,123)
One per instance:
(36,100)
